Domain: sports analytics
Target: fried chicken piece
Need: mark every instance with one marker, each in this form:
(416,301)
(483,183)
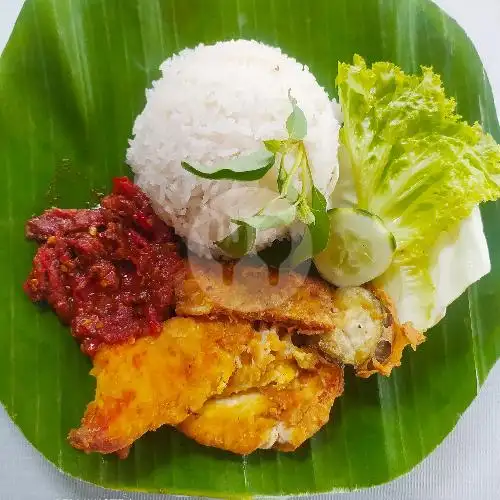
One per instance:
(269,359)
(384,360)
(355,325)
(273,417)
(277,394)
(279,397)
(254,293)
(157,381)
(225,384)
(367,333)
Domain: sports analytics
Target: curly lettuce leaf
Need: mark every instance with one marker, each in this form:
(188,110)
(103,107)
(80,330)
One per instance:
(415,164)
(464,247)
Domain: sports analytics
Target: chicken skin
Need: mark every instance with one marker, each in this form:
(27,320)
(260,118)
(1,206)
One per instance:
(356,326)
(157,381)
(254,293)
(280,417)
(367,332)
(252,363)
(176,378)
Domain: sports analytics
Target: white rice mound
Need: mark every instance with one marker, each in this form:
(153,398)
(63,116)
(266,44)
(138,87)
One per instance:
(215,102)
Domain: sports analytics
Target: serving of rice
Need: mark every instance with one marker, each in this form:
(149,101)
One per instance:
(213,103)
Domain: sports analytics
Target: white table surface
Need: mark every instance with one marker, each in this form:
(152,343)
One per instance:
(466,466)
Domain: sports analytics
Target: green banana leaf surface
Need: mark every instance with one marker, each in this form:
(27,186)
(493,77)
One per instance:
(72,80)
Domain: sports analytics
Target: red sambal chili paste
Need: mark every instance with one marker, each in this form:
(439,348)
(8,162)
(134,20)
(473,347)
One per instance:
(109,272)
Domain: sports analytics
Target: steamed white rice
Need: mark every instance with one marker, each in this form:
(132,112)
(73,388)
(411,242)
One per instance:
(214,102)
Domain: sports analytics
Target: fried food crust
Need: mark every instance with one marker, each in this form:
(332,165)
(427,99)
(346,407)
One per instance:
(274,417)
(279,396)
(256,294)
(402,336)
(222,382)
(157,381)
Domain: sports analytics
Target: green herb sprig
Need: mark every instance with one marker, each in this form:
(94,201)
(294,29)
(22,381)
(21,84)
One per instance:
(308,205)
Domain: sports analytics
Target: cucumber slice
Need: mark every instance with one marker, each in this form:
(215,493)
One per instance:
(360,248)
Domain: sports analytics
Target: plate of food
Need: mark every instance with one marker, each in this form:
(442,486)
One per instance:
(250,248)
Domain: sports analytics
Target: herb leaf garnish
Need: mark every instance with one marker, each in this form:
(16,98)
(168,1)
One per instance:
(274,145)
(241,168)
(239,242)
(316,234)
(296,123)
(307,205)
(271,217)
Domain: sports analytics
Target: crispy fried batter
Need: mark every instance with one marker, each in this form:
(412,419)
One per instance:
(279,397)
(367,332)
(361,325)
(158,381)
(253,293)
(304,407)
(402,335)
(272,393)
(357,326)
(236,424)
(269,359)
(225,384)
(280,417)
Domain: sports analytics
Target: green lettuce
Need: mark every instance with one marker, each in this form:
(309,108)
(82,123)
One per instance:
(414,163)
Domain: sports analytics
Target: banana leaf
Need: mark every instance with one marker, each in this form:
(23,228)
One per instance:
(72,80)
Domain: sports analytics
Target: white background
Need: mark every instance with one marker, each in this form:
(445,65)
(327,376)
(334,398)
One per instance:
(465,467)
